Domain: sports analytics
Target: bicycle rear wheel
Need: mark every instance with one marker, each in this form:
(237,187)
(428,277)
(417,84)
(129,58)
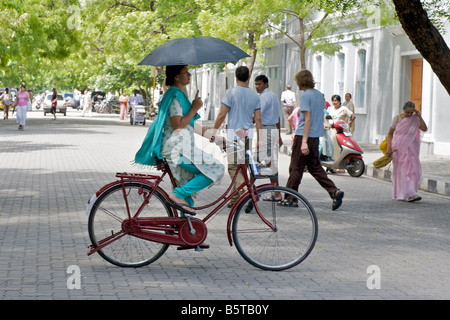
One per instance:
(280,249)
(105,222)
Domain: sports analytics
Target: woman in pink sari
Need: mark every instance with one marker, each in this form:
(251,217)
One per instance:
(404,148)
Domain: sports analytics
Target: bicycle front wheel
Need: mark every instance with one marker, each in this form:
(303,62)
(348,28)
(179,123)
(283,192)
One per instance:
(293,239)
(105,223)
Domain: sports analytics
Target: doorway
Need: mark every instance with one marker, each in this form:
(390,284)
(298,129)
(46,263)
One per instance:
(416,82)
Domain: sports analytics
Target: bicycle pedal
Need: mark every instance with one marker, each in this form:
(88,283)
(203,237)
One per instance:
(197,248)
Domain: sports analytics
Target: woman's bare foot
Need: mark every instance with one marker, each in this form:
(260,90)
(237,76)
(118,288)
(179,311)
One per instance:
(181,202)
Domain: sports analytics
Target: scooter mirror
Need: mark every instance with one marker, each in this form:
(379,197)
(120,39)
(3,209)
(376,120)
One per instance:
(329,117)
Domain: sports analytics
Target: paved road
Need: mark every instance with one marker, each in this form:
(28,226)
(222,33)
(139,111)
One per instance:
(50,170)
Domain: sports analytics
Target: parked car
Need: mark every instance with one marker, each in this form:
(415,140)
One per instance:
(60,106)
(69,99)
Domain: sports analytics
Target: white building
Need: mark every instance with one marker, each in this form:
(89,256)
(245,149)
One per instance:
(381,73)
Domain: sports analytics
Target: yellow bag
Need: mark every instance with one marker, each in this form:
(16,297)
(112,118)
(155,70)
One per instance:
(383,144)
(382,162)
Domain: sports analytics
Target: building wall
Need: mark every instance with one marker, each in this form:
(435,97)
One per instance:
(386,85)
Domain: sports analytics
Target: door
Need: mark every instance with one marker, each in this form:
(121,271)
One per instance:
(416,82)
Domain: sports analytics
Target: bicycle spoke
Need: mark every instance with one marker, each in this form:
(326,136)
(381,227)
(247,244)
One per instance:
(290,243)
(112,215)
(106,219)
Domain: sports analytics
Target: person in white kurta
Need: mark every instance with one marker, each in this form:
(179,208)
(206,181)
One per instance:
(339,112)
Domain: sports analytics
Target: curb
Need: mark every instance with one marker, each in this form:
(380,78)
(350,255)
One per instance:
(427,184)
(385,174)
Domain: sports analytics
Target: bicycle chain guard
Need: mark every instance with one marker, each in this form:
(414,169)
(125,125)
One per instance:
(193,232)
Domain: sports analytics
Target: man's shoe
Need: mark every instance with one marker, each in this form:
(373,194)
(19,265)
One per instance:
(337,199)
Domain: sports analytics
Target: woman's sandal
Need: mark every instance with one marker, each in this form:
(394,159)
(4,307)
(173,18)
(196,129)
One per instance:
(414,198)
(287,203)
(181,207)
(337,199)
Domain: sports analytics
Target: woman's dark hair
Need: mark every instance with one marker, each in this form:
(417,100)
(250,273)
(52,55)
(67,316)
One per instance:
(337,97)
(171,73)
(7,90)
(409,104)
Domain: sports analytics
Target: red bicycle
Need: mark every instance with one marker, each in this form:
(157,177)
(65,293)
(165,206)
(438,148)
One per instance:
(131,223)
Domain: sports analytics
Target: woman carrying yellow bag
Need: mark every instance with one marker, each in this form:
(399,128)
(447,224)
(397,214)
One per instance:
(403,145)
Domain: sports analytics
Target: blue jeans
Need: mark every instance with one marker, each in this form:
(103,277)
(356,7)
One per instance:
(197,183)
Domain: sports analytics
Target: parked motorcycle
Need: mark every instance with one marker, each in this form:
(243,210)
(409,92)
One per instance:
(350,157)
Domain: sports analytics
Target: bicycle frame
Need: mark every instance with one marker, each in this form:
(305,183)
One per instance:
(167,226)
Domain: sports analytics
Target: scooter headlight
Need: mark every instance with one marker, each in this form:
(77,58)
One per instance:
(349,144)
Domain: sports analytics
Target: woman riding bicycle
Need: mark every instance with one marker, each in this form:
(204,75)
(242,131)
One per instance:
(171,136)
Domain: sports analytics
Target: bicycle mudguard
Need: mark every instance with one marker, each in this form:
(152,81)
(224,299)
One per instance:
(237,205)
(94,198)
(90,204)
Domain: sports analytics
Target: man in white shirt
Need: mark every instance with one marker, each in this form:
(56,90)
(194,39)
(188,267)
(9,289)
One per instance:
(136,99)
(87,103)
(289,104)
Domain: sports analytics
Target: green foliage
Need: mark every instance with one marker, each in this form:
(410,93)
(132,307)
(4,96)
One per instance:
(99,43)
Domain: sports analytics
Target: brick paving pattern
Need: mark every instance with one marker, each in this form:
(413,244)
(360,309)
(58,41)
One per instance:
(51,169)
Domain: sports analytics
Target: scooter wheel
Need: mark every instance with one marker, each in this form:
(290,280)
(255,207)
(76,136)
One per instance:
(356,167)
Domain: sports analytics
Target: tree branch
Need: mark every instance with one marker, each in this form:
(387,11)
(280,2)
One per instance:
(317,25)
(285,33)
(122,4)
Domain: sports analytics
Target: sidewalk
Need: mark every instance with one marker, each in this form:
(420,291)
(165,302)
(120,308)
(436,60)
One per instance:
(435,169)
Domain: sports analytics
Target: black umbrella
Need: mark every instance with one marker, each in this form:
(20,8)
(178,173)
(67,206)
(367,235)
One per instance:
(193,51)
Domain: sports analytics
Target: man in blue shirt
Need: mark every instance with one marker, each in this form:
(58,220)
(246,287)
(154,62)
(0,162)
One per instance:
(241,105)
(305,149)
(271,137)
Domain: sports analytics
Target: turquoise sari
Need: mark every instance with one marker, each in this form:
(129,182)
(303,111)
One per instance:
(177,146)
(151,147)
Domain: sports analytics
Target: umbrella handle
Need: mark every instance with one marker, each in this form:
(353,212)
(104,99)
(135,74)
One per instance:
(226,76)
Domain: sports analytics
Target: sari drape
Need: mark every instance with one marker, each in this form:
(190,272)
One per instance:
(407,171)
(151,147)
(162,142)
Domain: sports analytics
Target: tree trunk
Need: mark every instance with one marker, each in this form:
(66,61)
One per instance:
(252,45)
(302,45)
(425,37)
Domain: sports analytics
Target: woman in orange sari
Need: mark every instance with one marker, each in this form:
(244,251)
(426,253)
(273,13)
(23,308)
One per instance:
(123,106)
(403,145)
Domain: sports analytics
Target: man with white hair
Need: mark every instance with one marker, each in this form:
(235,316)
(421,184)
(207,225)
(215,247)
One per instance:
(289,104)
